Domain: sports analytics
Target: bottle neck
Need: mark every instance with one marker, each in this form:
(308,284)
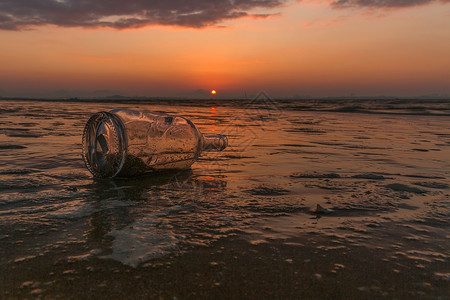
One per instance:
(215,142)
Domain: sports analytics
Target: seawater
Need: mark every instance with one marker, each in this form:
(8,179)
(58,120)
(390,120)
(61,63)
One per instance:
(313,198)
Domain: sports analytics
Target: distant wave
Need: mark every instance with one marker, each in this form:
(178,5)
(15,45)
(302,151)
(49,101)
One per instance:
(432,107)
(379,106)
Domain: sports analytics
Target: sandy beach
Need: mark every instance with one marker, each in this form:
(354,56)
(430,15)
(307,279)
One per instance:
(313,199)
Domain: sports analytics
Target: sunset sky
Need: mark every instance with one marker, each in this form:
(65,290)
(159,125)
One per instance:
(73,48)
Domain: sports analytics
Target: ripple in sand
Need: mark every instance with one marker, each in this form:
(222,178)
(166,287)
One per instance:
(369,176)
(268,191)
(433,185)
(315,175)
(16,171)
(25,135)
(11,147)
(398,187)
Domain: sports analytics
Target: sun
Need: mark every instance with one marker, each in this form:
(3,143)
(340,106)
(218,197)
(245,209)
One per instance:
(213,92)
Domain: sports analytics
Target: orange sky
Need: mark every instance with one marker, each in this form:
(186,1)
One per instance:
(305,48)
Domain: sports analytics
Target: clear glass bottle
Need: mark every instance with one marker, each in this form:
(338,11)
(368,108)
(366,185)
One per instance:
(126,143)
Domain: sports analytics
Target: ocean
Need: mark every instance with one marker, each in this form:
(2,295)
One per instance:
(341,199)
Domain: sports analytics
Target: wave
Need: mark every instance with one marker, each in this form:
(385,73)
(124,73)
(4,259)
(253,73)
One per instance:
(426,107)
(383,106)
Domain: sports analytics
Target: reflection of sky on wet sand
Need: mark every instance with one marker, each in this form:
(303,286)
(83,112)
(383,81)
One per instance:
(380,180)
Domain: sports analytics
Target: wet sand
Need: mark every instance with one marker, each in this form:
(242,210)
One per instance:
(234,268)
(330,202)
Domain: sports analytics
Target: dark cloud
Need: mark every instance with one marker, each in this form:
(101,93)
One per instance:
(120,14)
(383,3)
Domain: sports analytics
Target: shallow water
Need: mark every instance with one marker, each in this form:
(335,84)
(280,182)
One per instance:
(338,199)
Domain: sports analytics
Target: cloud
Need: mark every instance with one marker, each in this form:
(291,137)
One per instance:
(382,3)
(122,14)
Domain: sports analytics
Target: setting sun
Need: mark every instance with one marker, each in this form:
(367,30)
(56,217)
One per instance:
(213,92)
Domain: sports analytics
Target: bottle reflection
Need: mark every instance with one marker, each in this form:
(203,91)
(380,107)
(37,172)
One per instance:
(137,218)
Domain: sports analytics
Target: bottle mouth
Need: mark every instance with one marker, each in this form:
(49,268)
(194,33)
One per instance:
(215,142)
(223,142)
(104,145)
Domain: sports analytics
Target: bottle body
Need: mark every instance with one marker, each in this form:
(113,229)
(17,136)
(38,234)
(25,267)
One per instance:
(126,143)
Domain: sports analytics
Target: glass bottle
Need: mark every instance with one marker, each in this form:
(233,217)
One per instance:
(126,143)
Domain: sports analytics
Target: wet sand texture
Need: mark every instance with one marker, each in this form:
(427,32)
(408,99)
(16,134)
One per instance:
(311,200)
